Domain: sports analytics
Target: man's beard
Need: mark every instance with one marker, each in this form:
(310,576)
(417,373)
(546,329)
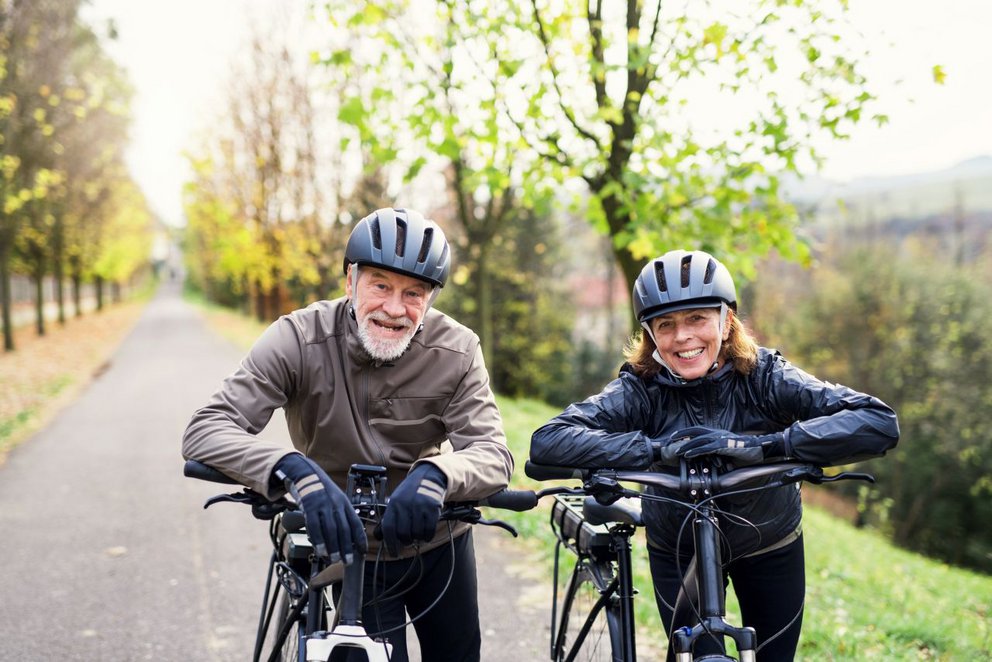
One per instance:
(382,349)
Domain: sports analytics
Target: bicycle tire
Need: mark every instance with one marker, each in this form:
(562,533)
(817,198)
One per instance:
(294,647)
(589,624)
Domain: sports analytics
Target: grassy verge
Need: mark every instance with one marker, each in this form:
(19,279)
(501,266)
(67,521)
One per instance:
(866,600)
(44,373)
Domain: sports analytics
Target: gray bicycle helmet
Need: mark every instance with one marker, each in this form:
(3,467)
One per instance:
(679,280)
(403,241)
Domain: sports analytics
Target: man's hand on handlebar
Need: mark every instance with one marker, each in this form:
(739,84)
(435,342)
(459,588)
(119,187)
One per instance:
(414,508)
(332,524)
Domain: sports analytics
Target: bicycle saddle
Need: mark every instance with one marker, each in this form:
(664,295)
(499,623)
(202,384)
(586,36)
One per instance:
(626,510)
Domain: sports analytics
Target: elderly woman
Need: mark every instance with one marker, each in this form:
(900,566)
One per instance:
(696,383)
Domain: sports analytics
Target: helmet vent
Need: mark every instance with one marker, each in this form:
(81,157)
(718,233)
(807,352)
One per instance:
(685,270)
(659,272)
(425,246)
(710,270)
(376,234)
(400,238)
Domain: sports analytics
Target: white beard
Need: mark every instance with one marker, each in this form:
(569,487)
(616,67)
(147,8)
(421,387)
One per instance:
(382,349)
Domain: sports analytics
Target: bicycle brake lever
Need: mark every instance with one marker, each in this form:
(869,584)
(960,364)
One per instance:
(604,487)
(238,497)
(850,475)
(497,522)
(473,515)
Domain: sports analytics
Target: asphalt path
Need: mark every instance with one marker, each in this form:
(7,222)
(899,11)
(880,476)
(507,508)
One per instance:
(106,552)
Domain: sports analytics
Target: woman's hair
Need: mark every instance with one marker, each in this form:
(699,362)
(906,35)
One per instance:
(740,348)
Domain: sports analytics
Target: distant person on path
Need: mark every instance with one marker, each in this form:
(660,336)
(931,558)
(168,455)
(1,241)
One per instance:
(375,377)
(696,383)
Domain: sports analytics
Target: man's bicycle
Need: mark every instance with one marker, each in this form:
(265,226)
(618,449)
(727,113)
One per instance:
(594,618)
(299,620)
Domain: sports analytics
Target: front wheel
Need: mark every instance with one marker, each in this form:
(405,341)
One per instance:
(294,648)
(589,626)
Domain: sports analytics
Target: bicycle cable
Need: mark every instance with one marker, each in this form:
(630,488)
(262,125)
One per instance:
(426,610)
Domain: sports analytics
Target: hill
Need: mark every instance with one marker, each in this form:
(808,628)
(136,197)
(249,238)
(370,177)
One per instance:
(963,190)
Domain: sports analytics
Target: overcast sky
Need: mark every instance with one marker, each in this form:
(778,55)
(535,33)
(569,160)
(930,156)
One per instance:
(178,52)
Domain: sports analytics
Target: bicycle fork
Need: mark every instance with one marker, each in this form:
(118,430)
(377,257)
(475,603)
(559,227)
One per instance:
(712,597)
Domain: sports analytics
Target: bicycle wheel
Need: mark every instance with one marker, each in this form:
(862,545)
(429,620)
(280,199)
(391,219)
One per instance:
(589,618)
(293,647)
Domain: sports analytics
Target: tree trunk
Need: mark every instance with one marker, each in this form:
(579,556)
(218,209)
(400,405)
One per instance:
(99,293)
(39,301)
(77,295)
(57,270)
(631,268)
(484,297)
(5,296)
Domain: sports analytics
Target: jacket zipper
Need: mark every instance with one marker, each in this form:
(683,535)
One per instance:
(364,397)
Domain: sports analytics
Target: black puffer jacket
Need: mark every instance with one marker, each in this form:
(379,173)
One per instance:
(823,423)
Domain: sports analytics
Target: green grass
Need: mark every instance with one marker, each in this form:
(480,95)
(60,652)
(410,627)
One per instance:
(866,599)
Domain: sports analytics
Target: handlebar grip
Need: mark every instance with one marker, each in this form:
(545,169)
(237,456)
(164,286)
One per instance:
(518,500)
(196,469)
(551,472)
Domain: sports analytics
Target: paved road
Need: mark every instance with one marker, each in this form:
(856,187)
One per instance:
(106,553)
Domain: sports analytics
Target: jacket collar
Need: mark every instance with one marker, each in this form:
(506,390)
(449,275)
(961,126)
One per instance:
(668,378)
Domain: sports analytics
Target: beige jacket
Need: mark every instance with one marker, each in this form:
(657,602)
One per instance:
(343,408)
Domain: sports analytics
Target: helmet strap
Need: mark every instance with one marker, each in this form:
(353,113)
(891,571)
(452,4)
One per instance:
(719,342)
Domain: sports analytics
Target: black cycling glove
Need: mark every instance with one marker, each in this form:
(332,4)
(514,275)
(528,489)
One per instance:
(332,524)
(742,449)
(414,508)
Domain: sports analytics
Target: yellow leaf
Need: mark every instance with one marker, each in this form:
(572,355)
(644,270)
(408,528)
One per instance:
(939,75)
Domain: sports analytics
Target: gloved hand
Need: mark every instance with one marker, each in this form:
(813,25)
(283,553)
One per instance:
(332,524)
(742,449)
(414,508)
(669,452)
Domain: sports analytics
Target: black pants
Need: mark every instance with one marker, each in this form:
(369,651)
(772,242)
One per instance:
(396,591)
(770,588)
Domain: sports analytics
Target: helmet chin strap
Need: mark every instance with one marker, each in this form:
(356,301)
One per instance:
(719,344)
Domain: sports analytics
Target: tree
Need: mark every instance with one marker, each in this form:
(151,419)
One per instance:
(35,38)
(260,200)
(895,321)
(619,95)
(90,155)
(418,105)
(63,106)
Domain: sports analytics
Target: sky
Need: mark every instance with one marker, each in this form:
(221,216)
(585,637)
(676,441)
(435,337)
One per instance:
(178,53)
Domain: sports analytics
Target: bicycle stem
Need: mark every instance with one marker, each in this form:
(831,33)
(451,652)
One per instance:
(353,587)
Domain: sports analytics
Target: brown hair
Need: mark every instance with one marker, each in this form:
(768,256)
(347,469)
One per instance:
(740,348)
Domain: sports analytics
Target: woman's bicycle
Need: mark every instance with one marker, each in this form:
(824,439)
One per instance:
(594,618)
(299,620)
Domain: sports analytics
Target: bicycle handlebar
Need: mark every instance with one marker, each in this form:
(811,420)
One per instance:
(263,508)
(196,469)
(698,477)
